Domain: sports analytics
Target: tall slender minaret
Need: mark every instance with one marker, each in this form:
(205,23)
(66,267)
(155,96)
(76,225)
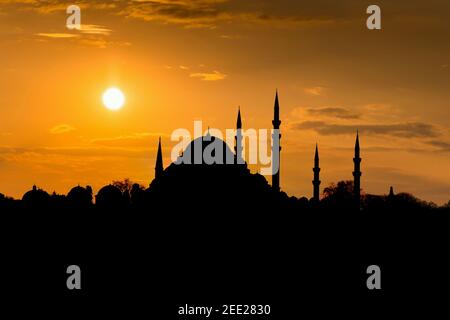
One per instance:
(391,192)
(391,195)
(357,174)
(238,139)
(316,181)
(276,151)
(159,169)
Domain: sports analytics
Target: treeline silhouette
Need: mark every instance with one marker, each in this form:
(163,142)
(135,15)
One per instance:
(254,194)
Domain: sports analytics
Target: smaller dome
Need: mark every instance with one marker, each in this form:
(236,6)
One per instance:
(109,197)
(80,196)
(36,197)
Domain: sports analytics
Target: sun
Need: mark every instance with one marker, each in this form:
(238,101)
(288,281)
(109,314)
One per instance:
(113,99)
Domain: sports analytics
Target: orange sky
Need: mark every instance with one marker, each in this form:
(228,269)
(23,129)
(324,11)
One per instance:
(179,61)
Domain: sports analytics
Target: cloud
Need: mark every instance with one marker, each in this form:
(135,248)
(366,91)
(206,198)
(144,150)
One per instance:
(95,29)
(61,128)
(404,130)
(211,13)
(230,36)
(213,76)
(58,35)
(141,139)
(136,145)
(192,13)
(85,29)
(16,154)
(89,35)
(53,6)
(442,146)
(337,112)
(101,43)
(314,91)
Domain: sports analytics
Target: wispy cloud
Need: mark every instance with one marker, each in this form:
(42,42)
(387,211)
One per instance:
(89,35)
(53,6)
(212,76)
(442,146)
(404,130)
(213,13)
(95,29)
(101,43)
(131,145)
(10,154)
(314,91)
(230,36)
(190,14)
(61,128)
(336,112)
(58,35)
(140,139)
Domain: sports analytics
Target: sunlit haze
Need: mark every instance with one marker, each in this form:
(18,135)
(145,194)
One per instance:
(180,61)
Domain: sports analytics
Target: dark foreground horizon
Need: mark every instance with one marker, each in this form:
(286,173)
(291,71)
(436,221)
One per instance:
(213,235)
(166,258)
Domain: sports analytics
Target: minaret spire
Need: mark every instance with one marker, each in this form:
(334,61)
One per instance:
(276,148)
(159,169)
(316,181)
(357,174)
(357,144)
(316,156)
(276,110)
(239,121)
(238,139)
(391,192)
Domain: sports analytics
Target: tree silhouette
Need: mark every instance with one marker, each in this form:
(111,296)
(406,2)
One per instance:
(339,196)
(124,185)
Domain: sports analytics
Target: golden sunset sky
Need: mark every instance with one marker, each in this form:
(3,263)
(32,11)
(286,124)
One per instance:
(179,61)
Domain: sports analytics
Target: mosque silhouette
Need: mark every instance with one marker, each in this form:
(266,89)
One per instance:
(236,180)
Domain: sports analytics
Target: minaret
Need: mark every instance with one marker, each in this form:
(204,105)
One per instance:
(276,137)
(159,169)
(316,181)
(238,139)
(357,174)
(391,193)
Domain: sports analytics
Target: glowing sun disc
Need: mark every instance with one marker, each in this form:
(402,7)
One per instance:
(113,99)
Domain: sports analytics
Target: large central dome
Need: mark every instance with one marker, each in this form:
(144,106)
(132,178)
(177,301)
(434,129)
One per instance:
(207,150)
(218,183)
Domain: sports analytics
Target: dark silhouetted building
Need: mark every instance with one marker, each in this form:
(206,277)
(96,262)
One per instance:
(357,174)
(316,181)
(79,197)
(276,151)
(159,168)
(391,192)
(36,198)
(109,198)
(238,140)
